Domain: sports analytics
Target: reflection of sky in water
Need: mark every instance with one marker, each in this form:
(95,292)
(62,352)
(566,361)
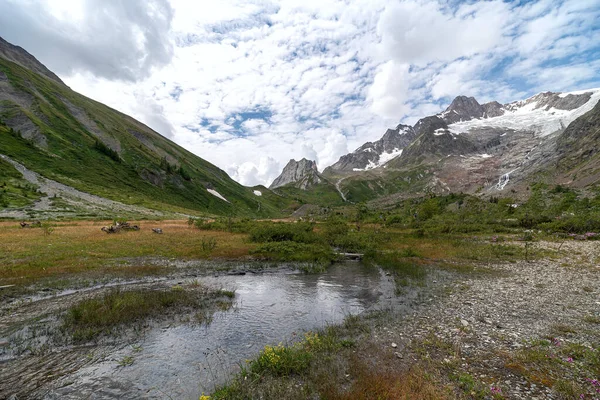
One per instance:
(185,360)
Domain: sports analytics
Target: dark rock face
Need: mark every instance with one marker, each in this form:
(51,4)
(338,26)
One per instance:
(492,109)
(370,153)
(463,108)
(581,140)
(429,125)
(301,174)
(19,56)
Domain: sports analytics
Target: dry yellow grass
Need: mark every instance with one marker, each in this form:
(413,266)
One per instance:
(27,254)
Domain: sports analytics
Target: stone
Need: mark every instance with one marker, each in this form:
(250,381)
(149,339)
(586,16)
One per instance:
(301,174)
(394,345)
(464,322)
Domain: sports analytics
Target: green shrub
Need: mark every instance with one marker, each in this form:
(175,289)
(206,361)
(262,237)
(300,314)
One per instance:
(281,360)
(107,151)
(209,244)
(354,242)
(333,229)
(283,232)
(294,251)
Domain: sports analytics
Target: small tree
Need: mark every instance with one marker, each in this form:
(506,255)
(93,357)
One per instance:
(361,213)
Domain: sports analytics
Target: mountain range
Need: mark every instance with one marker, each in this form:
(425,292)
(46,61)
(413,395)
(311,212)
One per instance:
(489,149)
(65,155)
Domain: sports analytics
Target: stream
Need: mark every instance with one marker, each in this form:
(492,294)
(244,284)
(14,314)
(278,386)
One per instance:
(184,360)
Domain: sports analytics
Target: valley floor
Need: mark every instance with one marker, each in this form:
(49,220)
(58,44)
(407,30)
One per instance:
(520,330)
(496,329)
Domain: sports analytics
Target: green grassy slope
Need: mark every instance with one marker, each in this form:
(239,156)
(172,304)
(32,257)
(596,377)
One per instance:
(323,194)
(85,144)
(14,190)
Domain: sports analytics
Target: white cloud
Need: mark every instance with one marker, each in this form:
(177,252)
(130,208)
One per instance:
(121,40)
(249,84)
(421,32)
(389,90)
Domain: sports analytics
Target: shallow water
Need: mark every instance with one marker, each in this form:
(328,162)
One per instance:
(185,360)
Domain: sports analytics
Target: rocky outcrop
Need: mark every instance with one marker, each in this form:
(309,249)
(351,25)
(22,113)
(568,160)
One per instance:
(301,174)
(548,100)
(580,142)
(462,108)
(492,109)
(375,154)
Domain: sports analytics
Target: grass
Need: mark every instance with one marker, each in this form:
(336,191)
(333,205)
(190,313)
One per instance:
(27,255)
(102,315)
(341,363)
(592,319)
(568,368)
(293,251)
(81,249)
(15,192)
(96,316)
(369,384)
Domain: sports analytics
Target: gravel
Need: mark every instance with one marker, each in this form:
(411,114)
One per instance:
(487,317)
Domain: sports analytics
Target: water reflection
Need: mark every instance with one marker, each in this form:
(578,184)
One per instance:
(185,360)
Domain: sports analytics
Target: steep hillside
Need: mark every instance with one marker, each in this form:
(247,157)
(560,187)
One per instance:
(579,149)
(68,138)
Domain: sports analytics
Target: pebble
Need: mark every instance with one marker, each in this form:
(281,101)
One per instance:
(464,322)
(394,345)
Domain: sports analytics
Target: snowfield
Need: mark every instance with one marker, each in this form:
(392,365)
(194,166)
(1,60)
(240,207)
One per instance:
(524,116)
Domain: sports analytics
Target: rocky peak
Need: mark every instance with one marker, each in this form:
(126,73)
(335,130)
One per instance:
(19,56)
(548,100)
(302,174)
(374,154)
(462,108)
(492,109)
(429,125)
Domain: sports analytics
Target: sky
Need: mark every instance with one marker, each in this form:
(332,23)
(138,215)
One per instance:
(250,84)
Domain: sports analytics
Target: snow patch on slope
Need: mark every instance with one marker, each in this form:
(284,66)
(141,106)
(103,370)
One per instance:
(257,193)
(383,159)
(522,116)
(217,194)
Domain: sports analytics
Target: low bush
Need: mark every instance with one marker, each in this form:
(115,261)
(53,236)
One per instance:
(293,251)
(283,232)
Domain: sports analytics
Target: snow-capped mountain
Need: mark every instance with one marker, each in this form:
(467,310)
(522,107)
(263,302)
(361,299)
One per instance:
(543,114)
(372,155)
(477,148)
(473,147)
